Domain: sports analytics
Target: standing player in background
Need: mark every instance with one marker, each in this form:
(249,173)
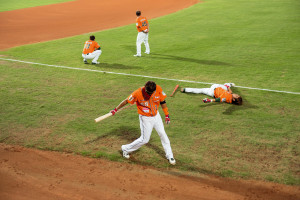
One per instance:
(91,50)
(221,93)
(148,99)
(142,26)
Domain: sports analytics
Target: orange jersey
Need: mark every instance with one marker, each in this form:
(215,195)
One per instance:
(90,46)
(147,105)
(142,24)
(224,95)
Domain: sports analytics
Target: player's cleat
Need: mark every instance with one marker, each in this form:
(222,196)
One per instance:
(206,100)
(172,161)
(147,52)
(137,55)
(126,155)
(85,61)
(95,63)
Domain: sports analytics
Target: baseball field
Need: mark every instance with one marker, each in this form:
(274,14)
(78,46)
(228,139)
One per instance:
(49,100)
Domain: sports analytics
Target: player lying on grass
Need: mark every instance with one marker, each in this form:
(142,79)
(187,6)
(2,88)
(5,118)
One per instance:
(221,93)
(148,99)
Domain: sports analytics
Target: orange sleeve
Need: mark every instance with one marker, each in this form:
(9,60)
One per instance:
(132,98)
(97,45)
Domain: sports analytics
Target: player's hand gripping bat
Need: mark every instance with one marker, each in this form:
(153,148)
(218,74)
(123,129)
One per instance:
(110,114)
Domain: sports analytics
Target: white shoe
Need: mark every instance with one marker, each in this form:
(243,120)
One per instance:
(95,63)
(229,84)
(126,155)
(136,55)
(172,161)
(147,52)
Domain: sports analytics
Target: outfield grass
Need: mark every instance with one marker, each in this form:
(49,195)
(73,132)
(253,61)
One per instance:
(252,43)
(19,4)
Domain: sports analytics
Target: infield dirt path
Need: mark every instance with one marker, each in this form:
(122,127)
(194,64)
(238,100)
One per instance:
(28,174)
(44,23)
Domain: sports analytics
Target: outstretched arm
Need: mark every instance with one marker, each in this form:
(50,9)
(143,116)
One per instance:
(122,104)
(206,100)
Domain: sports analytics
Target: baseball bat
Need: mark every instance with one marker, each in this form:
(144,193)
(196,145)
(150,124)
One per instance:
(176,87)
(103,117)
(109,114)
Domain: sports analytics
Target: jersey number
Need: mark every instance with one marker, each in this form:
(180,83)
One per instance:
(144,24)
(87,46)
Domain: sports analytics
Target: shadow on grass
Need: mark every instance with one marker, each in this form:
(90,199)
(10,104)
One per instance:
(114,66)
(130,134)
(131,48)
(246,104)
(193,60)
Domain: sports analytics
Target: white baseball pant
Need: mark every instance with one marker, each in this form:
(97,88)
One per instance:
(142,37)
(207,91)
(147,124)
(94,55)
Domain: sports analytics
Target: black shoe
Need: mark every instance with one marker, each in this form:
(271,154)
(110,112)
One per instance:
(85,62)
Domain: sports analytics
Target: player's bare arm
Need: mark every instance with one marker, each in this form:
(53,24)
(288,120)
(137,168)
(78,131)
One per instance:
(122,104)
(166,111)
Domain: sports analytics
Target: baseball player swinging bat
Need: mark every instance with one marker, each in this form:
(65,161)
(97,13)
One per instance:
(109,114)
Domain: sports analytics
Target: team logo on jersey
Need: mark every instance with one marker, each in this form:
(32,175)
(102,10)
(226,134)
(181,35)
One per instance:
(145,110)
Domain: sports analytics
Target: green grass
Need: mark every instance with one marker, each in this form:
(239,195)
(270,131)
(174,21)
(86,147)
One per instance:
(19,4)
(252,43)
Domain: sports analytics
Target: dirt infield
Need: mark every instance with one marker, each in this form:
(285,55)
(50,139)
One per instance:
(34,174)
(44,23)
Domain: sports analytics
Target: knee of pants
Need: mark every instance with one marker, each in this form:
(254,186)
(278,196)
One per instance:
(98,52)
(144,140)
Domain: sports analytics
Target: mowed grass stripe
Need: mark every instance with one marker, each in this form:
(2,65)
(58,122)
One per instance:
(151,77)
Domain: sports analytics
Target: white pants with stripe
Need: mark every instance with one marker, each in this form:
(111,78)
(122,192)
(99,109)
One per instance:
(142,37)
(207,91)
(94,55)
(147,124)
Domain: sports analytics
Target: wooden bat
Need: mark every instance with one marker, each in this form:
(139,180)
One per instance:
(110,114)
(176,87)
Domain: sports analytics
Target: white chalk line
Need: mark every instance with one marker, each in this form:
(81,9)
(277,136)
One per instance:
(136,75)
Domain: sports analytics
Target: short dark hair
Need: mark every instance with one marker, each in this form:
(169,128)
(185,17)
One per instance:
(138,13)
(92,37)
(237,101)
(150,87)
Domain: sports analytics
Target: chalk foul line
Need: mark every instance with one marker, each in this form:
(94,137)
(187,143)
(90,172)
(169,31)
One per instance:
(137,75)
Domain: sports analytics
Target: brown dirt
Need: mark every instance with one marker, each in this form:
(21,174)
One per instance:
(34,174)
(44,23)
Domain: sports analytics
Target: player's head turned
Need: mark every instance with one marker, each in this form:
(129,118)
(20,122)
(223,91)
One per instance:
(138,13)
(92,37)
(150,87)
(237,99)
